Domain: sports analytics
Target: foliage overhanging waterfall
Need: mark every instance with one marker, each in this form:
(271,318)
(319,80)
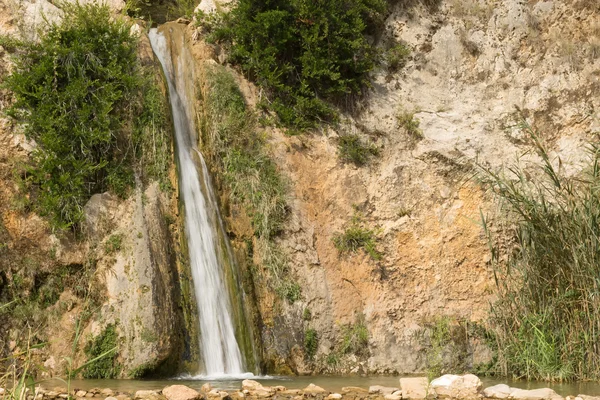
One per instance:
(219,348)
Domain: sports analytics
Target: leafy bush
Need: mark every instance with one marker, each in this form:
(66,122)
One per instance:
(356,236)
(76,92)
(305,54)
(396,56)
(102,349)
(352,149)
(548,307)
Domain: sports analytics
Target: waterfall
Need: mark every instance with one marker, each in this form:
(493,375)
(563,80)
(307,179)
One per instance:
(218,345)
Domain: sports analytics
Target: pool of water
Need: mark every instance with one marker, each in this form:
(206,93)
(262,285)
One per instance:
(331,383)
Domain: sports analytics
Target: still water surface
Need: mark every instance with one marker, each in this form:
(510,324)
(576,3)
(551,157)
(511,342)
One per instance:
(331,383)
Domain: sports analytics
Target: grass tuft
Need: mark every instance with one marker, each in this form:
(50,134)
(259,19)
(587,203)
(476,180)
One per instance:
(356,237)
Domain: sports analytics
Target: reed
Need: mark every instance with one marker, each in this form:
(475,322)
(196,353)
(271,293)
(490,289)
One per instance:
(547,316)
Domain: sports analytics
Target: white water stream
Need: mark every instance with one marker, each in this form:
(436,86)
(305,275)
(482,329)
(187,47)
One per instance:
(218,345)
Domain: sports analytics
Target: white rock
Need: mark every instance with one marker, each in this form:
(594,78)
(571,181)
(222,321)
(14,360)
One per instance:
(249,384)
(392,397)
(500,391)
(456,386)
(314,389)
(536,394)
(415,388)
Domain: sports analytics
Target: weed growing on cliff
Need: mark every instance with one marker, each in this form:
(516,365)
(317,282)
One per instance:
(396,56)
(106,367)
(355,337)
(311,343)
(76,92)
(352,149)
(280,45)
(548,309)
(355,237)
(410,123)
(113,243)
(238,150)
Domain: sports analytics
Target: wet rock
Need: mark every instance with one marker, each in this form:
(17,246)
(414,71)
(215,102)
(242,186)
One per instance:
(252,386)
(415,388)
(536,394)
(457,386)
(180,392)
(500,391)
(80,393)
(377,389)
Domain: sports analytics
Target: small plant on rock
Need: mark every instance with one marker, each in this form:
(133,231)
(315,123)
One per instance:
(410,123)
(355,237)
(352,149)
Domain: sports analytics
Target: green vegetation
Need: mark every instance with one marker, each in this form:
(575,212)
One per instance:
(113,243)
(352,149)
(82,95)
(410,124)
(447,344)
(104,346)
(355,237)
(355,338)
(311,343)
(548,310)
(396,56)
(306,314)
(305,55)
(238,150)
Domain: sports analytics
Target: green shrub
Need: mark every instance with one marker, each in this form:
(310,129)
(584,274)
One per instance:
(548,307)
(355,237)
(311,342)
(411,124)
(105,347)
(396,56)
(76,93)
(304,54)
(352,149)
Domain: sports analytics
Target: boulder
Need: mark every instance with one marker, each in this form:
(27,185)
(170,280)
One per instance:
(500,391)
(457,386)
(313,390)
(80,393)
(415,388)
(334,396)
(107,392)
(207,387)
(384,390)
(180,392)
(535,394)
(252,386)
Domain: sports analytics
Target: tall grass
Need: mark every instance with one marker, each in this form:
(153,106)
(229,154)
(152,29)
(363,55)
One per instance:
(547,316)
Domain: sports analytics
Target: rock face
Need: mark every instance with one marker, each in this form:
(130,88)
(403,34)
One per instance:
(457,387)
(469,68)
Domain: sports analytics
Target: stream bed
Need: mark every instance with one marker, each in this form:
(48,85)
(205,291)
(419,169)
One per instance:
(330,383)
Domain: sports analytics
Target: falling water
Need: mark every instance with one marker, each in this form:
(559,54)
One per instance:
(219,347)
